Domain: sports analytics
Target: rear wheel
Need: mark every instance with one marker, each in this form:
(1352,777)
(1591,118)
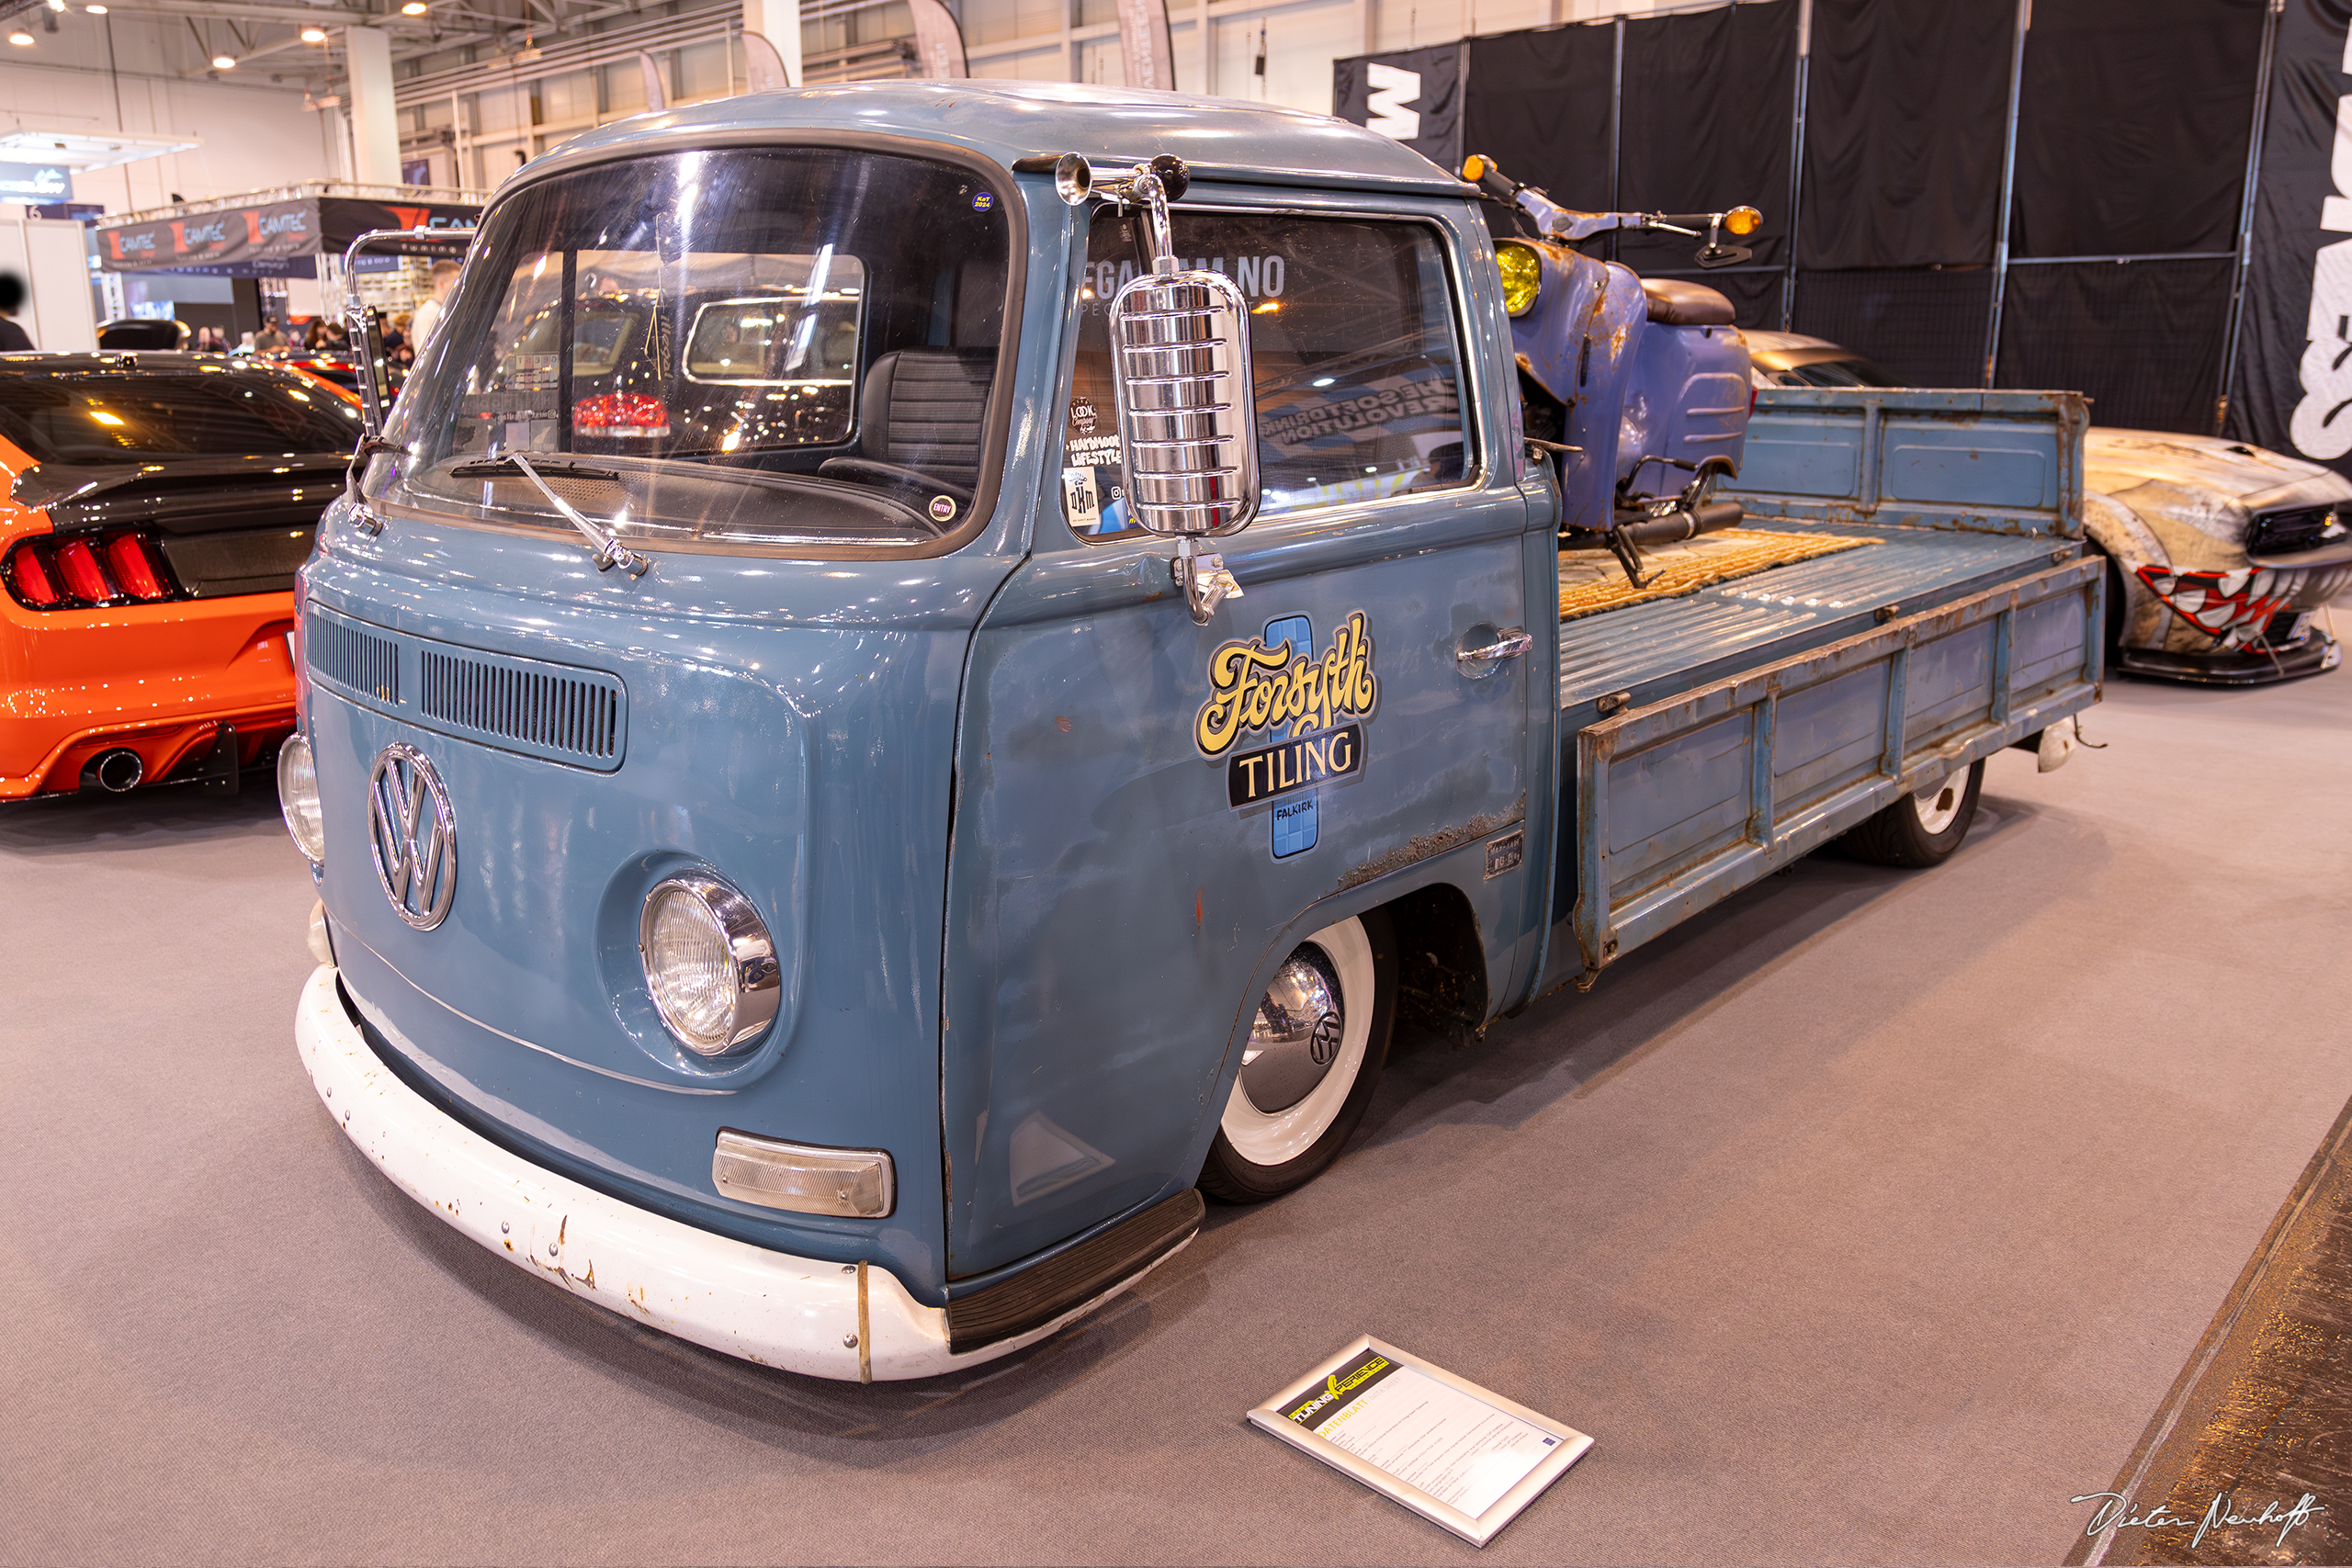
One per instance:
(1317,1046)
(1921,830)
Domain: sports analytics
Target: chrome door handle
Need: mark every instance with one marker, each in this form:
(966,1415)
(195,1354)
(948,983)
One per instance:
(1477,663)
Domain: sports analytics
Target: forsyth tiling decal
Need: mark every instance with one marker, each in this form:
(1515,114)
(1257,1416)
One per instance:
(1311,709)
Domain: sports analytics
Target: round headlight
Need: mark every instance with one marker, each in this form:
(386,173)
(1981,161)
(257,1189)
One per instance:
(298,797)
(1522,271)
(708,961)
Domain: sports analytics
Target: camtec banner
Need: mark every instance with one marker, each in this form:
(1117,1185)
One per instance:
(266,241)
(2293,386)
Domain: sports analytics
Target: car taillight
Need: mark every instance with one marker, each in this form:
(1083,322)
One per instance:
(80,574)
(127,560)
(30,581)
(621,413)
(78,565)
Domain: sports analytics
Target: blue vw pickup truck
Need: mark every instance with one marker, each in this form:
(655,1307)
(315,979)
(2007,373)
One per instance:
(922,671)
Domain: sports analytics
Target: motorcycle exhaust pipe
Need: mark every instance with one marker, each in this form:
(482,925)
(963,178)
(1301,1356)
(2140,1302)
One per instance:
(1675,526)
(116,771)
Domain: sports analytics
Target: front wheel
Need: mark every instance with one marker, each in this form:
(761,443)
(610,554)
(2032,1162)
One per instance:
(1317,1046)
(1921,830)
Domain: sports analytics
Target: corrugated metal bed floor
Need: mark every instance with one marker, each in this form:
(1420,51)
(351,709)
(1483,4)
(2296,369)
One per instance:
(1785,608)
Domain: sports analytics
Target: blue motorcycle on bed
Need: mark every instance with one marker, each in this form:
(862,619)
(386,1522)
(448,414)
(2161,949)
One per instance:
(1638,386)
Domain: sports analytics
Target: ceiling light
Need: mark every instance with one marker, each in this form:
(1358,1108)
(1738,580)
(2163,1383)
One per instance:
(413,8)
(57,5)
(21,39)
(96,10)
(314,35)
(224,63)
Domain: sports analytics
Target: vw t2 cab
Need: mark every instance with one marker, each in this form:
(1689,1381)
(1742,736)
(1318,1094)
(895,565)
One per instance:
(922,671)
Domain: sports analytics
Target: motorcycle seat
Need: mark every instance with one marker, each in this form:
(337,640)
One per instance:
(1676,303)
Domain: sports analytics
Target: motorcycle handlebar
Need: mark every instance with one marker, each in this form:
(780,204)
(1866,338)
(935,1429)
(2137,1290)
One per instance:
(1480,170)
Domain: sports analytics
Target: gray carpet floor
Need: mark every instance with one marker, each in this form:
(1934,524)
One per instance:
(1865,1218)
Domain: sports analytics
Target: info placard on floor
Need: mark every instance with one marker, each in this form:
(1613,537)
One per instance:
(1455,1453)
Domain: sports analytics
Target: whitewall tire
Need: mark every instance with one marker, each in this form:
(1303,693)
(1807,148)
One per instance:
(1317,1042)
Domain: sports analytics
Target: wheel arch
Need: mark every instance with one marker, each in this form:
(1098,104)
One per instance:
(2135,617)
(1442,978)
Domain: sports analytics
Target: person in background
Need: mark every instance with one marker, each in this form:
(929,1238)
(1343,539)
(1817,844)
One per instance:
(314,336)
(210,341)
(13,338)
(428,315)
(399,348)
(271,336)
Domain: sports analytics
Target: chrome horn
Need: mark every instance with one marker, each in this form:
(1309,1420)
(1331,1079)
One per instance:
(1188,423)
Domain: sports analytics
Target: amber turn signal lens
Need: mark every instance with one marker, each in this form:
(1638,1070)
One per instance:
(1522,272)
(1743,222)
(1473,168)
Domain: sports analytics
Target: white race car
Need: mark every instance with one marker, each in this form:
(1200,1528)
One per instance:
(2223,557)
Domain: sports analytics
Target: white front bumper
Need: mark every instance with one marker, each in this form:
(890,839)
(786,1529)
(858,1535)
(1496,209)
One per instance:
(801,1314)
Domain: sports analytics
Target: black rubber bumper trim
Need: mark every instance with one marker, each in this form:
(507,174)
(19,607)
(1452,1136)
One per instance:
(1035,1297)
(2251,668)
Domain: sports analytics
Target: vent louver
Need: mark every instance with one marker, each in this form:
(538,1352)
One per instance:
(356,660)
(566,715)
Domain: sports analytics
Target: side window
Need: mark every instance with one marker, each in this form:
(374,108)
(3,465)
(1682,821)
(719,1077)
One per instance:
(1359,375)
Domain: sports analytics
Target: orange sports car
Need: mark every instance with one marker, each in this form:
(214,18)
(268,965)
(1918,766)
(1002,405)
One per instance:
(156,508)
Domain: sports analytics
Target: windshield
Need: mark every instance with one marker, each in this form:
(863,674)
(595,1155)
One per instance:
(764,347)
(215,409)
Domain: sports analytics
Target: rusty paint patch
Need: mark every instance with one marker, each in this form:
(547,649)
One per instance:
(1427,846)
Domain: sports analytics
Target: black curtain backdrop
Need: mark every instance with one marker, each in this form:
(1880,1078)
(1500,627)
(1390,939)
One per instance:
(2294,371)
(2132,118)
(1927,326)
(2143,339)
(1705,125)
(1541,110)
(1906,103)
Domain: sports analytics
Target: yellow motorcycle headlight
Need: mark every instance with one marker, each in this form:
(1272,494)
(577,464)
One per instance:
(1522,271)
(1743,222)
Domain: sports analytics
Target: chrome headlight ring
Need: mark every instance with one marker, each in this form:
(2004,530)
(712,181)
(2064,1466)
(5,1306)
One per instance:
(709,963)
(298,800)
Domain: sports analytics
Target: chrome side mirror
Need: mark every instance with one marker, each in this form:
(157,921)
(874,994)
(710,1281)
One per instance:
(1188,419)
(367,340)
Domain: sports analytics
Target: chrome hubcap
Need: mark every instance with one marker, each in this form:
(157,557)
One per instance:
(1937,805)
(1296,1035)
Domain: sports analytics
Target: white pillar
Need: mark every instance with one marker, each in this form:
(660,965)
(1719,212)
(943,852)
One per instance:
(375,124)
(779,21)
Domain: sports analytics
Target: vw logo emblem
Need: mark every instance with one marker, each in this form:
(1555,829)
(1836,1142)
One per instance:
(412,836)
(1323,1043)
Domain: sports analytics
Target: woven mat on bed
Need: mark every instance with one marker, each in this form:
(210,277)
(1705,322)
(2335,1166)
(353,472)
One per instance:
(1591,580)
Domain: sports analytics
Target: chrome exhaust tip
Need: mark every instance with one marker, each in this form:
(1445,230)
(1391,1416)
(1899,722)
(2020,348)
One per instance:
(116,771)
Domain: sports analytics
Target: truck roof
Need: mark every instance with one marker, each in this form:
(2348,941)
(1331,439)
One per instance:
(1222,139)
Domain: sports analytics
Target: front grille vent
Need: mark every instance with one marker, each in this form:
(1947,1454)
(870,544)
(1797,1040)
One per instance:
(2303,528)
(573,717)
(357,660)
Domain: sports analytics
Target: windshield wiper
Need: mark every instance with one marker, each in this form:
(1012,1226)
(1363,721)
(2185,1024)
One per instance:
(497,467)
(608,552)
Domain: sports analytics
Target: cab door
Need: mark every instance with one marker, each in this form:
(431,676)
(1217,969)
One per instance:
(1138,845)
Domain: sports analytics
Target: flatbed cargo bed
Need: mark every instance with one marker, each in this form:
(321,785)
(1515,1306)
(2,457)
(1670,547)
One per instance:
(1645,650)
